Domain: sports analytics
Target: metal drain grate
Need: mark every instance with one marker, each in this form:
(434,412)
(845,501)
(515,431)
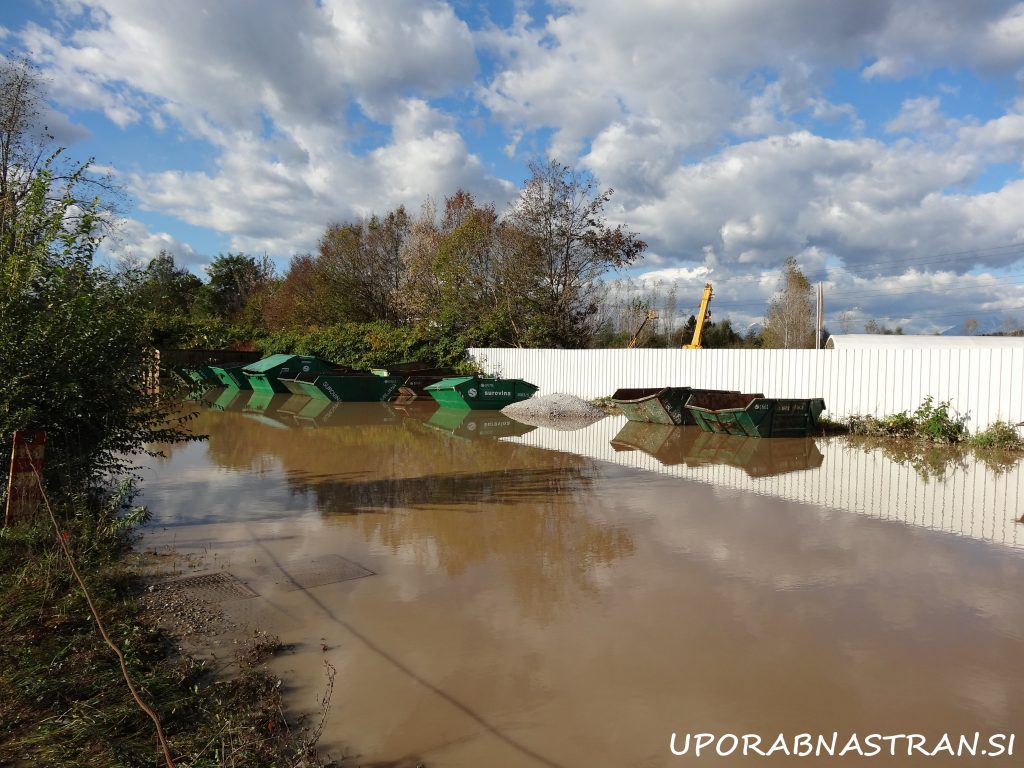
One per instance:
(306,574)
(219,585)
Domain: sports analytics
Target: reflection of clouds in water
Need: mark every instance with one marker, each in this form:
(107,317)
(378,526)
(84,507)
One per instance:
(970,499)
(439,501)
(185,489)
(585,599)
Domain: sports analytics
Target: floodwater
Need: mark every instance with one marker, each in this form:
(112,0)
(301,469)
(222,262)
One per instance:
(492,594)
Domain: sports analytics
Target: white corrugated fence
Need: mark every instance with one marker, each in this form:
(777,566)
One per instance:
(985,383)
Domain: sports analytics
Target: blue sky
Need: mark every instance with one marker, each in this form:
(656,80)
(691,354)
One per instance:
(879,142)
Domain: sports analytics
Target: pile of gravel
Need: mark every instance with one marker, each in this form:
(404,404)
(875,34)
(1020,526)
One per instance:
(557,411)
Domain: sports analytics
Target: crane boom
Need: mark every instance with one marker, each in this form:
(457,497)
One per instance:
(651,315)
(704,313)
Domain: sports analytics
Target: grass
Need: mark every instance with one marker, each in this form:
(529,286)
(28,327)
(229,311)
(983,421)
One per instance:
(63,701)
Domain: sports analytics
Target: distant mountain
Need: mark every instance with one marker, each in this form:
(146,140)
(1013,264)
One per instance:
(986,324)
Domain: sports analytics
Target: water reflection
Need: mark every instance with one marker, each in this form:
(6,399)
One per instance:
(672,446)
(543,607)
(474,425)
(968,497)
(226,399)
(474,498)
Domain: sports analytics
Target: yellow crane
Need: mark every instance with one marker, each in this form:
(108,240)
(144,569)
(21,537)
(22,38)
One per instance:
(651,315)
(703,314)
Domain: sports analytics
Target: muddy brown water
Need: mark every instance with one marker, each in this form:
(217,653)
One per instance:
(493,594)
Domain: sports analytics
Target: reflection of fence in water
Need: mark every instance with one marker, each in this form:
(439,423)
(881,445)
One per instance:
(972,501)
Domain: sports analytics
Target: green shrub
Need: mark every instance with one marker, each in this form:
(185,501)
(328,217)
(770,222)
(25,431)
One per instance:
(935,423)
(73,348)
(897,425)
(1000,435)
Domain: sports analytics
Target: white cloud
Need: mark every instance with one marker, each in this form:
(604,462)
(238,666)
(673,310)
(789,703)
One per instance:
(271,86)
(921,114)
(132,241)
(919,34)
(700,115)
(1002,138)
(233,63)
(285,205)
(918,301)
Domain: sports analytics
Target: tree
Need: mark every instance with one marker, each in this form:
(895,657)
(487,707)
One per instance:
(363,268)
(167,289)
(790,320)
(298,300)
(873,326)
(26,153)
(566,246)
(235,279)
(420,292)
(846,321)
(73,343)
(721,335)
(24,143)
(479,284)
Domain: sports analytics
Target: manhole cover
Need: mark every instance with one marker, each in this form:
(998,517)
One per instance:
(305,574)
(220,585)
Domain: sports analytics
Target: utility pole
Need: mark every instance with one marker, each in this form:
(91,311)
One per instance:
(819,326)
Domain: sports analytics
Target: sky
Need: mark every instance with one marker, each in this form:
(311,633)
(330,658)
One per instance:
(879,142)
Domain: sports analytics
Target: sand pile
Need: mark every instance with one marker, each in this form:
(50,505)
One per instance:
(557,411)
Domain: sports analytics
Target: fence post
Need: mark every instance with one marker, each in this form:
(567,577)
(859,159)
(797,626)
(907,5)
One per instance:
(23,496)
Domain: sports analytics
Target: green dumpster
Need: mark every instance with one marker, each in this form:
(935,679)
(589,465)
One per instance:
(349,387)
(203,375)
(270,373)
(478,393)
(230,375)
(417,377)
(301,383)
(658,405)
(755,415)
(400,369)
(415,386)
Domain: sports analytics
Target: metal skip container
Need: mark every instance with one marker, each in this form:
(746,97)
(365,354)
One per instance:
(658,405)
(230,375)
(476,393)
(755,415)
(266,375)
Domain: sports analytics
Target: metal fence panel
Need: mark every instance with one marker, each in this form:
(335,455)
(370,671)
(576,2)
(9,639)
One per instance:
(986,384)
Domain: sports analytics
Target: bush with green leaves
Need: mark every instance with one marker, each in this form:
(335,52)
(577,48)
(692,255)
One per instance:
(73,350)
(938,423)
(368,345)
(933,422)
(999,435)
